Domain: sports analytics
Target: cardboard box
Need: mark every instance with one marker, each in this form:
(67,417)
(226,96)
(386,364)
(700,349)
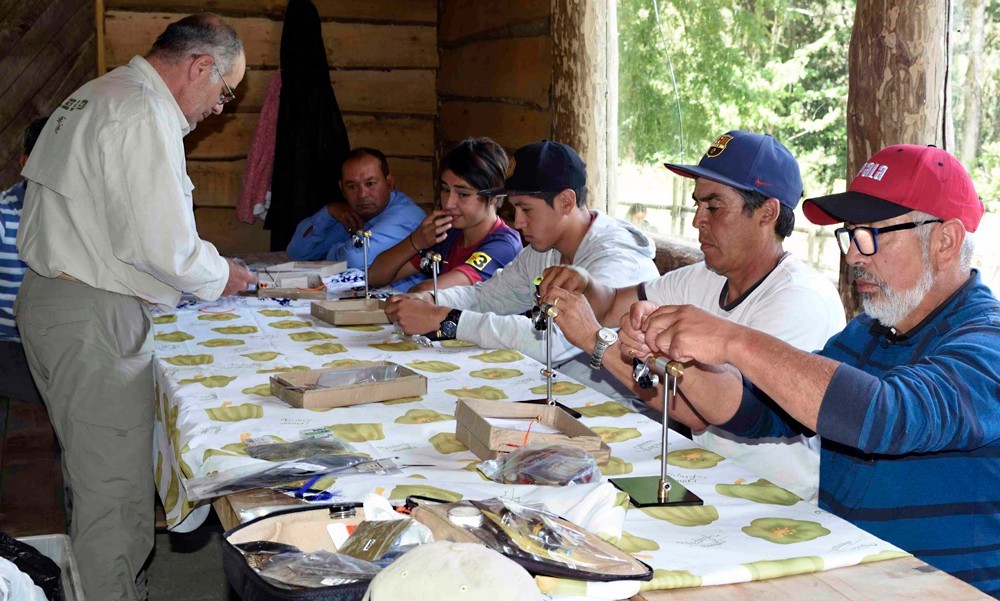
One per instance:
(350,312)
(297,279)
(487,441)
(323,269)
(289,387)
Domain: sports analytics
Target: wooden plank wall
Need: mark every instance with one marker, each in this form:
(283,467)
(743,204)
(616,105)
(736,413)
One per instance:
(47,50)
(383,58)
(496,72)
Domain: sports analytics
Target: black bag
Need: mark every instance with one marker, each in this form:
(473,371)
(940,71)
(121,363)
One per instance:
(43,571)
(304,528)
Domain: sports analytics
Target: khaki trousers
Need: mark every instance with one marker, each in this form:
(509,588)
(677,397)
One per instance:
(90,352)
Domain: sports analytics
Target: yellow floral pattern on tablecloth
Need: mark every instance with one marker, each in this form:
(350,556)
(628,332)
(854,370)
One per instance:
(211,397)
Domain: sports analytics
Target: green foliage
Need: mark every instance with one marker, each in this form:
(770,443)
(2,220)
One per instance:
(766,66)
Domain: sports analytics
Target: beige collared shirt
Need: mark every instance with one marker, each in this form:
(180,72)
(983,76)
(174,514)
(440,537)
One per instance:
(109,200)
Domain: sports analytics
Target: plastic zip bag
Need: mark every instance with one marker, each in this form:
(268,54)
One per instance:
(317,569)
(554,465)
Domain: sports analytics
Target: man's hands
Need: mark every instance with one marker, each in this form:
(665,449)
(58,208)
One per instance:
(567,277)
(687,333)
(415,313)
(239,278)
(432,230)
(343,213)
(576,319)
(631,334)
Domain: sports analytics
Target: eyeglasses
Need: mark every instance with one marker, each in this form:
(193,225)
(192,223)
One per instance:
(865,238)
(229,95)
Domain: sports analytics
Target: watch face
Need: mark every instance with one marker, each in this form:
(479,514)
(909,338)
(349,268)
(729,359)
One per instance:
(449,329)
(607,336)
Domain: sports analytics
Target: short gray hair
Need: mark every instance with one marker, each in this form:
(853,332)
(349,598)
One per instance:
(195,35)
(968,244)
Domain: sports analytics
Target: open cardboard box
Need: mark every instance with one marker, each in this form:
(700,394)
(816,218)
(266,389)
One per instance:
(297,279)
(488,441)
(289,388)
(350,312)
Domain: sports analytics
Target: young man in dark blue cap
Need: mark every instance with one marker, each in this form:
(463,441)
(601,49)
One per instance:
(548,191)
(746,187)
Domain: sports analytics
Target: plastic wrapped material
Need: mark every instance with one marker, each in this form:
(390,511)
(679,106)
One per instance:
(371,540)
(554,465)
(340,378)
(43,571)
(317,569)
(542,542)
(273,474)
(299,449)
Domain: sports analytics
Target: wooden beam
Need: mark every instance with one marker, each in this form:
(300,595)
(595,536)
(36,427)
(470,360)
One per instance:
(518,69)
(511,126)
(463,18)
(230,237)
(217,183)
(580,87)
(347,44)
(406,11)
(897,86)
(228,136)
(405,91)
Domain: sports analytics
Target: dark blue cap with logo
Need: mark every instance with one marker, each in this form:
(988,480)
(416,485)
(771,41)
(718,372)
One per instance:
(542,167)
(748,161)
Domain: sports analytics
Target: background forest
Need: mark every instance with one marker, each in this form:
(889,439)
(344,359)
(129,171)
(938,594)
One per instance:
(691,69)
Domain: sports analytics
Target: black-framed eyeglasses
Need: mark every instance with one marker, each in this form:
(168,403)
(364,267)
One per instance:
(866,238)
(228,95)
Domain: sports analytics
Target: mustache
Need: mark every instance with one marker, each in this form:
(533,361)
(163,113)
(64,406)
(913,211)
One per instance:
(858,273)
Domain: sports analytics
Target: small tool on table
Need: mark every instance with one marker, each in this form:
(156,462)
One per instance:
(361,239)
(647,491)
(542,315)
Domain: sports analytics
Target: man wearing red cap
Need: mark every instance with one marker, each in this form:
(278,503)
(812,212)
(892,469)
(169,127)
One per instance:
(906,397)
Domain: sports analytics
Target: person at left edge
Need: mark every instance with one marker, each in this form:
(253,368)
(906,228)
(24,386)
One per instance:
(372,203)
(108,232)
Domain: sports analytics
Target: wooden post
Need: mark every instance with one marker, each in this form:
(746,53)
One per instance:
(898,75)
(99,31)
(582,99)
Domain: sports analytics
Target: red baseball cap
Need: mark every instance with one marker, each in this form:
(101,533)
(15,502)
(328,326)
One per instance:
(899,179)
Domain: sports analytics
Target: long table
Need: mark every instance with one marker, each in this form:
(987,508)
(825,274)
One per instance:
(213,362)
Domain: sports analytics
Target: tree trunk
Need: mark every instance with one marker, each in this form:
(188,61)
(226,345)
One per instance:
(584,104)
(897,85)
(973,90)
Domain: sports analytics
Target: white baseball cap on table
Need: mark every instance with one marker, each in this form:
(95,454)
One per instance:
(447,571)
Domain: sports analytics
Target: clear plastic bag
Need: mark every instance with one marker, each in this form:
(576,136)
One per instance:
(532,535)
(317,569)
(273,474)
(299,449)
(554,465)
(367,374)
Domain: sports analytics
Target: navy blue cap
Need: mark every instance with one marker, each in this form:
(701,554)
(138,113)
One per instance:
(542,167)
(748,161)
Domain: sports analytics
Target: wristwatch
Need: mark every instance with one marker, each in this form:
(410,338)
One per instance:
(605,338)
(448,328)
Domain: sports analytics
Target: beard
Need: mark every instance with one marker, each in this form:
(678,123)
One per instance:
(892,306)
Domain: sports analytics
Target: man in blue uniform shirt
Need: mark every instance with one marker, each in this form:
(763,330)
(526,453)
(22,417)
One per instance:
(372,204)
(906,397)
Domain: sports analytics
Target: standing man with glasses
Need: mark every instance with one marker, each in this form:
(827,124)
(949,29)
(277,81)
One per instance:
(907,397)
(108,232)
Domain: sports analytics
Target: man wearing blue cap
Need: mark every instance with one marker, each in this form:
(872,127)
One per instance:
(746,187)
(548,190)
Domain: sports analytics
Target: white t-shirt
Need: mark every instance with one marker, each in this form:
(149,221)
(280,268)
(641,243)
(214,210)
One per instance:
(793,303)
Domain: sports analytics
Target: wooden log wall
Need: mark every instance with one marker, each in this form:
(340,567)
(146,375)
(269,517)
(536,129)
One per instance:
(47,50)
(495,78)
(523,70)
(383,58)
